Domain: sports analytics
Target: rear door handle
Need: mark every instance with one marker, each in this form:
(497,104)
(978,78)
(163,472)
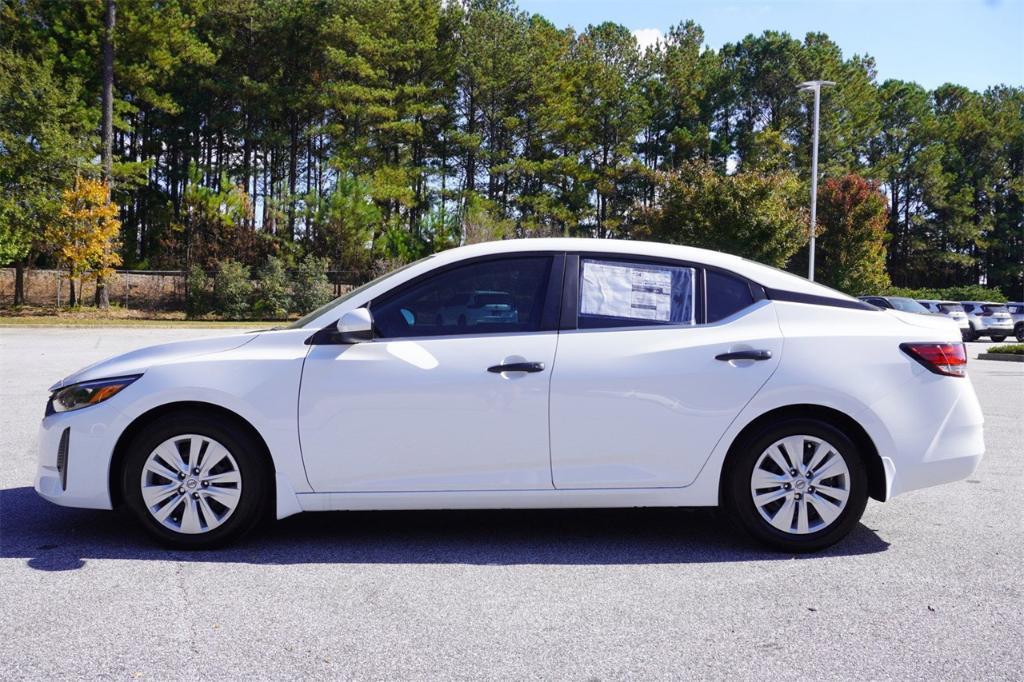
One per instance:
(517,367)
(745,355)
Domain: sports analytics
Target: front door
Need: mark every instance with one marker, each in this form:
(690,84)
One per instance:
(452,393)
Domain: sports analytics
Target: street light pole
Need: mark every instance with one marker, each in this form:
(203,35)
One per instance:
(816,87)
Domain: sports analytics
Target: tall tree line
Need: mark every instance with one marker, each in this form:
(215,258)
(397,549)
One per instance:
(374,131)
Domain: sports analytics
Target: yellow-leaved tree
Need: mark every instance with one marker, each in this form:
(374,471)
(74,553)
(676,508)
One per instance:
(84,238)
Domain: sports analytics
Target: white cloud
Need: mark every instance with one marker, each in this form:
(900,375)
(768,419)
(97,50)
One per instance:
(647,37)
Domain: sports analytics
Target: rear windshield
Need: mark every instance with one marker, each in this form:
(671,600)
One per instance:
(951,307)
(994,308)
(907,305)
(494,299)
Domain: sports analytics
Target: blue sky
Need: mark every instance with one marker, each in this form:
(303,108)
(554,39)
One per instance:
(976,43)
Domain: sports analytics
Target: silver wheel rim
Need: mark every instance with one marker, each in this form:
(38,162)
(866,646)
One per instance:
(800,484)
(191,484)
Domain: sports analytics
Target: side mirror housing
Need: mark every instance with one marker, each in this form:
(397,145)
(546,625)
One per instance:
(355,326)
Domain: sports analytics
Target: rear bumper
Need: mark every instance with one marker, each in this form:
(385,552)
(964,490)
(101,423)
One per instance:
(939,441)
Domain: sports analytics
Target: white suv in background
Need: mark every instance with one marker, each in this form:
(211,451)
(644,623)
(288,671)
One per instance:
(1016,309)
(952,310)
(988,319)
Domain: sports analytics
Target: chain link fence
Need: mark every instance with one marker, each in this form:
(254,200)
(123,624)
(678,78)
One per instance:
(130,289)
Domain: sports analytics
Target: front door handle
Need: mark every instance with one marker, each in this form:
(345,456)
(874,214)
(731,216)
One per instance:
(745,355)
(517,367)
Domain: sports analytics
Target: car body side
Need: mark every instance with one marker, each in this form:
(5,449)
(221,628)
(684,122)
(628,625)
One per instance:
(923,428)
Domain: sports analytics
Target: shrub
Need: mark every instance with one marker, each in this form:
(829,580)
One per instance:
(232,290)
(971,292)
(311,288)
(197,292)
(271,300)
(1010,348)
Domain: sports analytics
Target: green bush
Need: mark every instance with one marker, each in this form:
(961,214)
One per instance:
(232,290)
(197,293)
(271,300)
(311,288)
(973,292)
(1012,348)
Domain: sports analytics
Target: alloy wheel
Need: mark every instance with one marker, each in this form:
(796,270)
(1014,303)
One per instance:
(191,484)
(800,484)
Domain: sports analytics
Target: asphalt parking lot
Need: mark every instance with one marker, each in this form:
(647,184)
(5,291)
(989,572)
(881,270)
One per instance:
(930,584)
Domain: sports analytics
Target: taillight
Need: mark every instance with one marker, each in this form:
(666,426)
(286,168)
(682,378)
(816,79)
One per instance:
(949,359)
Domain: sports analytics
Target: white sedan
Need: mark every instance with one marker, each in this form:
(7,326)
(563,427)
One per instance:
(635,375)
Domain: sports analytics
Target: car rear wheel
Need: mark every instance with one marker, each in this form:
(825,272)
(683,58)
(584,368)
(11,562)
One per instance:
(1019,332)
(798,486)
(195,483)
(999,338)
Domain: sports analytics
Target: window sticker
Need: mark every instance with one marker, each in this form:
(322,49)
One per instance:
(651,293)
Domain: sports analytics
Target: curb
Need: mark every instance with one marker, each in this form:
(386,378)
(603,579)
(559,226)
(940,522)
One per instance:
(1005,357)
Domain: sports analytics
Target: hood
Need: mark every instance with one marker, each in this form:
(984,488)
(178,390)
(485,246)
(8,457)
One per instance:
(138,361)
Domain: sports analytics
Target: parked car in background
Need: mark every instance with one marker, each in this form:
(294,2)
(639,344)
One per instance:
(478,308)
(907,305)
(1016,309)
(988,319)
(952,310)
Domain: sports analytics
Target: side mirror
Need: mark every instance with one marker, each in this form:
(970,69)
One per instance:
(356,326)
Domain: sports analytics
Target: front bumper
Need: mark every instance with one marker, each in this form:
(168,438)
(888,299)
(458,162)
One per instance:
(91,436)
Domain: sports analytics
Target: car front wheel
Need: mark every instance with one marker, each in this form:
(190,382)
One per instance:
(799,486)
(195,483)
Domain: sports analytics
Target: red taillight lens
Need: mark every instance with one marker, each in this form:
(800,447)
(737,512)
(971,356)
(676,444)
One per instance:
(949,359)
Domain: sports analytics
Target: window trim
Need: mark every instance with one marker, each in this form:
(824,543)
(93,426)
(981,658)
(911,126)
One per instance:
(551,305)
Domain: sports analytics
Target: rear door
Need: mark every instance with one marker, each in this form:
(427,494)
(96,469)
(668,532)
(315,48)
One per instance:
(659,359)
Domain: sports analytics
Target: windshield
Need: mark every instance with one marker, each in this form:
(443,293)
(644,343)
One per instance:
(995,309)
(907,305)
(309,317)
(951,307)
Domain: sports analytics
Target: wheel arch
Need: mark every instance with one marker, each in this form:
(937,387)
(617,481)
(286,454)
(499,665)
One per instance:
(153,414)
(829,415)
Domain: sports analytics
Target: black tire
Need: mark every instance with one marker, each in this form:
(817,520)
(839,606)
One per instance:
(999,338)
(1019,332)
(736,493)
(969,334)
(254,502)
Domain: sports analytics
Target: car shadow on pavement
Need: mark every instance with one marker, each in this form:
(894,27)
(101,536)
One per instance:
(52,538)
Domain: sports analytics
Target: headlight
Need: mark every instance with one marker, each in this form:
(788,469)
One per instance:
(87,393)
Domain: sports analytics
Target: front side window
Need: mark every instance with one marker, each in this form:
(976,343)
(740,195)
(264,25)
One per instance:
(619,293)
(500,296)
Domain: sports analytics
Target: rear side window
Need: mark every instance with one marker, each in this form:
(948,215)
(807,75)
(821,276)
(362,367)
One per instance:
(620,293)
(727,295)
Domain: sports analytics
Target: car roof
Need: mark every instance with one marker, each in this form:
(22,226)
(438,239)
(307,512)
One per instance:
(764,275)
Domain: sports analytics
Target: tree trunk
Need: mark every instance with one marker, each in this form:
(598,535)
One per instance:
(19,282)
(72,298)
(102,296)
